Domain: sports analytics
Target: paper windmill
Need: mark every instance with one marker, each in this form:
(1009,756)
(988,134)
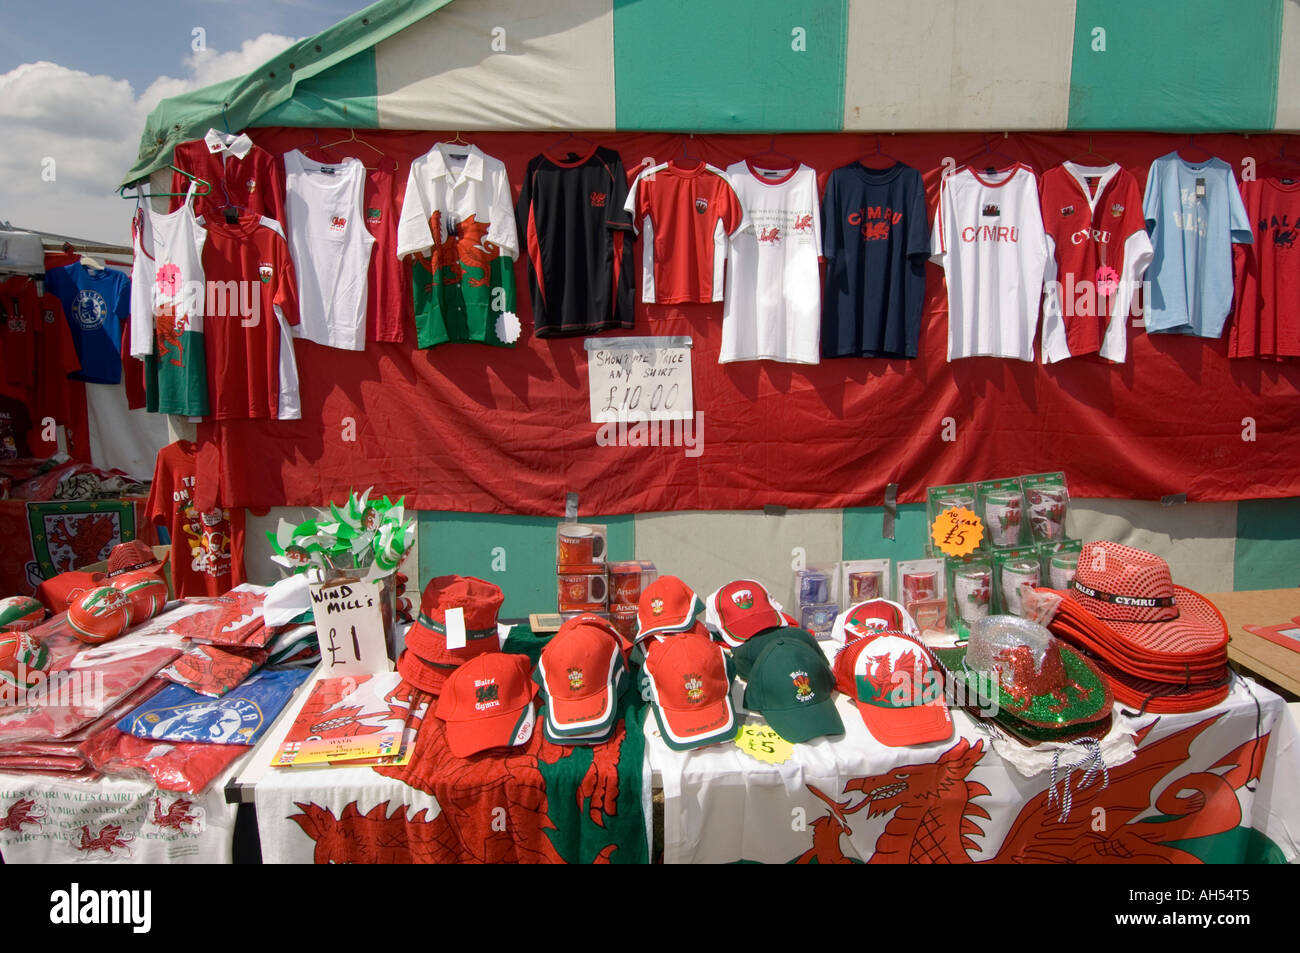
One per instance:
(363,533)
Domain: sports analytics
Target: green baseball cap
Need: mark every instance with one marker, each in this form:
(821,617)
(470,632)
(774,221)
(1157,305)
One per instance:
(747,653)
(791,683)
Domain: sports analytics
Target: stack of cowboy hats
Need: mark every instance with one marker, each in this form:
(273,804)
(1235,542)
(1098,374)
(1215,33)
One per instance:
(1163,648)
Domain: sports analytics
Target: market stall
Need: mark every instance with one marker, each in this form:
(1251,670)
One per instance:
(399,320)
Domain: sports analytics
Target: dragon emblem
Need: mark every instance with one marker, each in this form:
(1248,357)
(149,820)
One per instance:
(177,815)
(1023,682)
(78,541)
(932,818)
(22,811)
(466,247)
(109,839)
(466,829)
(168,328)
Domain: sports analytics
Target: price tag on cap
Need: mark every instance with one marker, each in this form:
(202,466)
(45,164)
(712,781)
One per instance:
(763,743)
(957,531)
(455,624)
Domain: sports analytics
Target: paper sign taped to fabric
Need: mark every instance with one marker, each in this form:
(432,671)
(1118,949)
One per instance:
(350,628)
(640,379)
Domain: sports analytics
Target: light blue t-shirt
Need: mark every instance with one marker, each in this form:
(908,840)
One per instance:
(1194,213)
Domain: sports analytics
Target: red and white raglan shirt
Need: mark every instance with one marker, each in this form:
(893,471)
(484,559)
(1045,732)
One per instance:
(687,214)
(240,173)
(988,237)
(773,306)
(1098,251)
(1265,318)
(252,303)
(207,547)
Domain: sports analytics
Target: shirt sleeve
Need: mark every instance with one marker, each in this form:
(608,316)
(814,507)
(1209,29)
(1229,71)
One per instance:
(1151,200)
(635,202)
(413,234)
(732,212)
(918,223)
(501,227)
(158,509)
(286,289)
(523,206)
(1241,231)
(938,247)
(816,215)
(617,213)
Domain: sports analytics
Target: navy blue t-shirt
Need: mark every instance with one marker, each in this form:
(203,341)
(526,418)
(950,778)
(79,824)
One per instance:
(98,306)
(875,239)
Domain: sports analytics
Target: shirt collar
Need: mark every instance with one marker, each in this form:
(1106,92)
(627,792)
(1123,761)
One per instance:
(473,165)
(237,146)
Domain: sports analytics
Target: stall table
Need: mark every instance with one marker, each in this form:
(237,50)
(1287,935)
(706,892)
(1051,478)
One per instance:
(1254,653)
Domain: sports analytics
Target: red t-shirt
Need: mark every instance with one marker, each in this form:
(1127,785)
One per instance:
(207,548)
(687,214)
(388,304)
(255,183)
(1097,234)
(1265,320)
(252,298)
(20,313)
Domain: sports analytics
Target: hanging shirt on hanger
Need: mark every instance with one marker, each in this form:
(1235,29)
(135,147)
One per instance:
(388,298)
(330,247)
(988,238)
(459,222)
(577,235)
(168,297)
(1266,321)
(97,303)
(252,303)
(20,314)
(1098,251)
(240,173)
(687,213)
(1194,214)
(772,308)
(876,240)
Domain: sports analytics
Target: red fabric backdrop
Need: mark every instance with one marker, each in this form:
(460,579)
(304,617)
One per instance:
(473,428)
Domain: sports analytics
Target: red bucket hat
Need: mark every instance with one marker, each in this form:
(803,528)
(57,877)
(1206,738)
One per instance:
(481,602)
(1134,594)
(488,703)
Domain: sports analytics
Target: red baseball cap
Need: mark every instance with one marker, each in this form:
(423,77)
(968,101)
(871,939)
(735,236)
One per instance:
(690,687)
(742,609)
(889,677)
(579,671)
(871,618)
(488,703)
(481,602)
(667,605)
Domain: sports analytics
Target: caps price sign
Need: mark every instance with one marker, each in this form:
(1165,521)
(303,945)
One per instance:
(763,743)
(957,531)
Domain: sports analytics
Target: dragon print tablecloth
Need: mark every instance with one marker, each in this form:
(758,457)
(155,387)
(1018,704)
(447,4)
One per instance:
(1215,786)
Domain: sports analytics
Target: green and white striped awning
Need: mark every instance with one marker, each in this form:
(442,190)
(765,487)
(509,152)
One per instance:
(769,65)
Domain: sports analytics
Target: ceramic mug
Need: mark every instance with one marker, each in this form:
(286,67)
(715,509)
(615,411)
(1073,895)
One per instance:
(580,545)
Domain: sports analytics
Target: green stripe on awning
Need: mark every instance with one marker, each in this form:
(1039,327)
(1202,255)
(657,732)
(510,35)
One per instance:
(1190,65)
(719,66)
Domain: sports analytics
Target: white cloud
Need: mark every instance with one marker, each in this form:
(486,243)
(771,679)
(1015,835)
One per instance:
(89,127)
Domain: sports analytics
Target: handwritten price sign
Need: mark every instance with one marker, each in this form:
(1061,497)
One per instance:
(957,531)
(761,742)
(640,379)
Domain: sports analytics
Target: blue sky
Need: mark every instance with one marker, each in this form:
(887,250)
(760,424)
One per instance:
(128,39)
(78,79)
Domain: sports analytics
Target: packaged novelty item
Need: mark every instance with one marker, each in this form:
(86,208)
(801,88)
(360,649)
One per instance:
(1013,568)
(922,591)
(940,498)
(1046,502)
(1001,508)
(863,579)
(970,591)
(1058,561)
